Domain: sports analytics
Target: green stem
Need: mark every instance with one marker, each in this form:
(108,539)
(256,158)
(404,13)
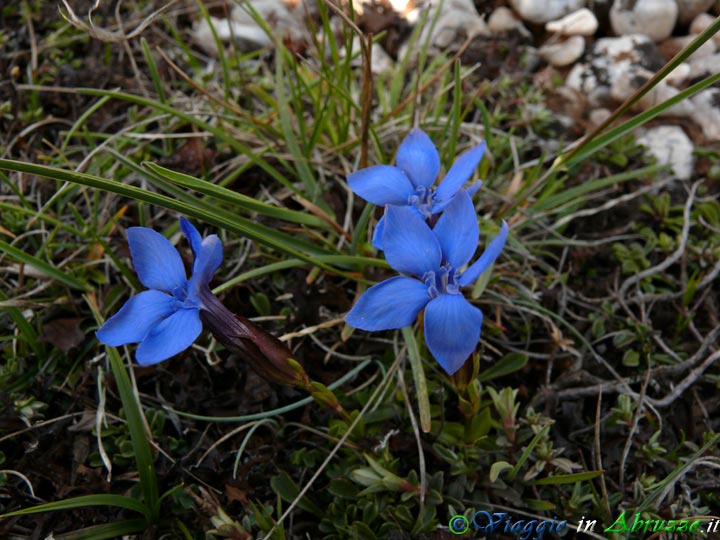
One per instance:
(419,377)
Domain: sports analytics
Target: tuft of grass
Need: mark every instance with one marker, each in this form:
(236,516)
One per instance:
(600,318)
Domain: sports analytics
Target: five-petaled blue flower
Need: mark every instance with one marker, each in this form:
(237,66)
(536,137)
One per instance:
(435,257)
(409,183)
(165,320)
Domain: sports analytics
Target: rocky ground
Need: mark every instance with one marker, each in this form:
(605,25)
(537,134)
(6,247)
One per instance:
(589,55)
(601,313)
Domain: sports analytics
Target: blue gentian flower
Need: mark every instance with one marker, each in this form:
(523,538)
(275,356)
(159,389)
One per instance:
(165,319)
(409,182)
(435,257)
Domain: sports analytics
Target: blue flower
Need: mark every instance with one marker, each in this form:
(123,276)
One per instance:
(165,319)
(435,257)
(408,183)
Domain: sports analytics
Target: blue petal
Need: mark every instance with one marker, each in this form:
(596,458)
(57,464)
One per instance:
(486,259)
(378,234)
(452,330)
(381,185)
(474,187)
(171,336)
(392,304)
(136,318)
(459,173)
(380,229)
(457,231)
(192,234)
(410,245)
(418,158)
(157,263)
(207,252)
(206,263)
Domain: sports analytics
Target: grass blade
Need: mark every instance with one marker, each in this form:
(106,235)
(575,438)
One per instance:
(117,529)
(572,478)
(589,148)
(119,501)
(138,435)
(234,198)
(679,58)
(526,453)
(47,269)
(419,376)
(259,233)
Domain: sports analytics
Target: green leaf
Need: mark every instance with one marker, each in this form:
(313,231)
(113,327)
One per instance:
(497,468)
(566,478)
(510,363)
(26,330)
(589,186)
(526,453)
(677,473)
(419,376)
(106,531)
(538,505)
(141,446)
(47,269)
(480,425)
(119,501)
(361,531)
(631,358)
(623,338)
(284,111)
(152,67)
(342,488)
(236,199)
(254,231)
(288,490)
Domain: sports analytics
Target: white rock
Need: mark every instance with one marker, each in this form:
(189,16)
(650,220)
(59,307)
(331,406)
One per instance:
(564,52)
(679,75)
(542,11)
(250,36)
(654,18)
(617,67)
(503,19)
(612,57)
(670,145)
(530,60)
(581,78)
(688,9)
(661,93)
(598,116)
(381,61)
(578,23)
(627,83)
(674,45)
(627,47)
(240,26)
(456,17)
(704,66)
(403,7)
(701,22)
(707,112)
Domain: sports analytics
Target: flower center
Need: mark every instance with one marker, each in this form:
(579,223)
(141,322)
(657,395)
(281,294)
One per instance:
(422,199)
(181,299)
(444,281)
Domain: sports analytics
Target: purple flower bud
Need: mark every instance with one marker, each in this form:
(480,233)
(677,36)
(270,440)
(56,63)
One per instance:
(265,353)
